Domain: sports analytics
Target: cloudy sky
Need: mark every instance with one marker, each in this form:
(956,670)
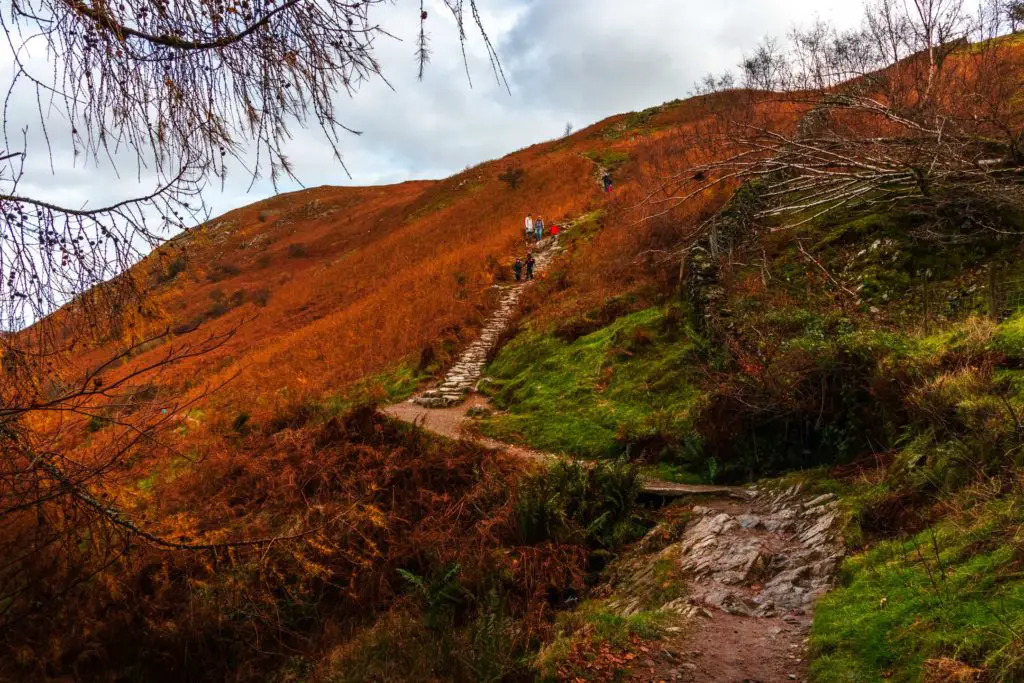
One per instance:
(567,61)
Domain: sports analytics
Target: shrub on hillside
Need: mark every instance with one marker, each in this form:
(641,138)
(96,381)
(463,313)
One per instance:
(780,407)
(512,176)
(570,502)
(175,267)
(592,321)
(368,516)
(261,297)
(223,271)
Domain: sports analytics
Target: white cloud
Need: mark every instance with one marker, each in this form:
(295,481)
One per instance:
(566,60)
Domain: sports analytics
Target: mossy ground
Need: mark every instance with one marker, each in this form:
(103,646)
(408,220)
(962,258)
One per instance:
(934,583)
(866,361)
(593,635)
(626,387)
(953,591)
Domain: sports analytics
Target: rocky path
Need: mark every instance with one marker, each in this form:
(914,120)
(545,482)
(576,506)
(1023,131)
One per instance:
(750,574)
(466,373)
(736,572)
(748,564)
(451,422)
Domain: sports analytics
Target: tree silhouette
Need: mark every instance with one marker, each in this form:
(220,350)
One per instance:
(176,91)
(512,176)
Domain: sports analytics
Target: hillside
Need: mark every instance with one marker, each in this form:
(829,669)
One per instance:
(284,317)
(861,367)
(337,284)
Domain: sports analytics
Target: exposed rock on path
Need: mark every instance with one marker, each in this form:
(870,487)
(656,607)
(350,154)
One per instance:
(463,377)
(773,558)
(751,574)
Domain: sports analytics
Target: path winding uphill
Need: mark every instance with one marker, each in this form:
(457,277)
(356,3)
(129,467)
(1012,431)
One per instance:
(466,373)
(752,561)
(451,421)
(444,410)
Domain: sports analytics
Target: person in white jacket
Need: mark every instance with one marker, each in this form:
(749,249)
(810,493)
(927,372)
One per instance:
(529,227)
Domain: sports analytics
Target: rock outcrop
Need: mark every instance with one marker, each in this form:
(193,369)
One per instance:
(778,556)
(770,556)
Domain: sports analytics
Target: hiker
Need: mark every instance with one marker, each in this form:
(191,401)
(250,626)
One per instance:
(529,227)
(554,230)
(530,263)
(517,268)
(607,180)
(538,229)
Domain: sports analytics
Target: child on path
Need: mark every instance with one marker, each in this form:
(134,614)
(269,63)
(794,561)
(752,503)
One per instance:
(607,180)
(529,227)
(530,263)
(538,229)
(555,230)
(517,268)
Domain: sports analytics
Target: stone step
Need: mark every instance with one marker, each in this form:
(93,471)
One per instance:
(468,370)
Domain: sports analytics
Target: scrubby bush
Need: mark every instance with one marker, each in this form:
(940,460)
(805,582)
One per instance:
(592,321)
(783,408)
(96,423)
(261,297)
(223,271)
(440,593)
(572,503)
(175,267)
(512,176)
(240,424)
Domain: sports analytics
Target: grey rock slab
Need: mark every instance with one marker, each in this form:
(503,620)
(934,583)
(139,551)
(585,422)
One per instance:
(824,498)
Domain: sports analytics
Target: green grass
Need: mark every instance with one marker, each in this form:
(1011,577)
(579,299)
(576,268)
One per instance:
(670,582)
(594,624)
(626,384)
(166,472)
(903,603)
(1009,337)
(609,159)
(391,386)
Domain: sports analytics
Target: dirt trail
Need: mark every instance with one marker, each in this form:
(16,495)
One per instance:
(451,422)
(751,562)
(752,573)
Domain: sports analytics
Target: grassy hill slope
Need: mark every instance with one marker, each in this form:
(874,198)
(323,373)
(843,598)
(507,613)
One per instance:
(872,353)
(323,300)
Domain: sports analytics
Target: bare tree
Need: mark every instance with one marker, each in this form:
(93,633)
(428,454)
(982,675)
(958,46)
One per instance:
(903,108)
(175,91)
(178,92)
(1015,14)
